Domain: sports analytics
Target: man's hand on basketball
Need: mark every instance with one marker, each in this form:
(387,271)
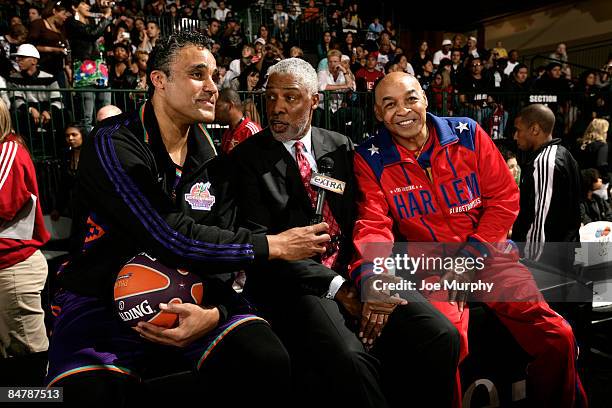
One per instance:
(194,322)
(299,243)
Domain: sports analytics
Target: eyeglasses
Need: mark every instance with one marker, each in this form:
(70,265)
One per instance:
(476,65)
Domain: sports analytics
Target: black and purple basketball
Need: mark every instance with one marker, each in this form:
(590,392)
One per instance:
(143,283)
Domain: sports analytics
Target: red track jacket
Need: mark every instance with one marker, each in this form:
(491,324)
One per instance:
(470,195)
(17,185)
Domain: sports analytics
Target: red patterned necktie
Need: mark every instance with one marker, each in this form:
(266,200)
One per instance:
(329,258)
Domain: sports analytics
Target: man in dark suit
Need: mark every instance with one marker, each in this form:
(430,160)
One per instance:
(340,356)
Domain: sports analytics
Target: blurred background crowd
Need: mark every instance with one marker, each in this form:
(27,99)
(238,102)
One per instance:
(62,61)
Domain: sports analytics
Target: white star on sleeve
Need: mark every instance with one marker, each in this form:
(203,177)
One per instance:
(373,150)
(462,126)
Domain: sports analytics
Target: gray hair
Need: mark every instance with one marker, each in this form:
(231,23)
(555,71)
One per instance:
(300,69)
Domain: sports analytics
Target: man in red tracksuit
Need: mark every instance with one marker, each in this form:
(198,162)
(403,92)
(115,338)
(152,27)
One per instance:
(428,179)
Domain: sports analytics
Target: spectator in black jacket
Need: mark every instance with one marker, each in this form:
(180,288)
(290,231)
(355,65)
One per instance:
(474,91)
(516,95)
(83,33)
(554,90)
(592,206)
(550,200)
(121,77)
(65,199)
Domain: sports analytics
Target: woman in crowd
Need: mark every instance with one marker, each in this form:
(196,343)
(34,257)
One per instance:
(23,268)
(74,136)
(590,101)
(248,81)
(264,33)
(138,33)
(389,28)
(593,148)
(348,47)
(421,56)
(440,94)
(402,61)
(47,34)
(89,70)
(325,45)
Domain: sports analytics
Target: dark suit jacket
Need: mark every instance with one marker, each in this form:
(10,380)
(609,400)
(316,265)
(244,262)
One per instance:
(270,193)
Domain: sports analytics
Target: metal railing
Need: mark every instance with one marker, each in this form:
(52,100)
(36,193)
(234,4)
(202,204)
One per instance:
(591,56)
(349,113)
(45,136)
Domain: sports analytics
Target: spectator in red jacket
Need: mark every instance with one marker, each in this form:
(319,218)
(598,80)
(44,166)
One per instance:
(367,76)
(23,269)
(230,112)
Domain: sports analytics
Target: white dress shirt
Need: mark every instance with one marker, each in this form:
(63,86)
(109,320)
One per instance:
(337,282)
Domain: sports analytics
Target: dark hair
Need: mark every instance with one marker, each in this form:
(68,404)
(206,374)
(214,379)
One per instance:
(242,78)
(61,5)
(518,67)
(75,3)
(507,154)
(540,114)
(583,77)
(443,63)
(231,96)
(74,125)
(18,30)
(398,58)
(553,65)
(152,21)
(166,50)
(589,177)
(77,127)
(472,58)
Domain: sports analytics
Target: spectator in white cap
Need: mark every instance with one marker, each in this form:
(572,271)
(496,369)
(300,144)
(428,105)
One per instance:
(35,107)
(259,45)
(445,52)
(471,49)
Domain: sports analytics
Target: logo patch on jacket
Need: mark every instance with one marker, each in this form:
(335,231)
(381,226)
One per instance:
(199,197)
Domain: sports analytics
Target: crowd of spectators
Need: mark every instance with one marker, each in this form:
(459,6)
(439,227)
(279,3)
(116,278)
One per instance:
(97,45)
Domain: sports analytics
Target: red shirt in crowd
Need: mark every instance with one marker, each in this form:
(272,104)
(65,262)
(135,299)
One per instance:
(370,77)
(245,129)
(18,188)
